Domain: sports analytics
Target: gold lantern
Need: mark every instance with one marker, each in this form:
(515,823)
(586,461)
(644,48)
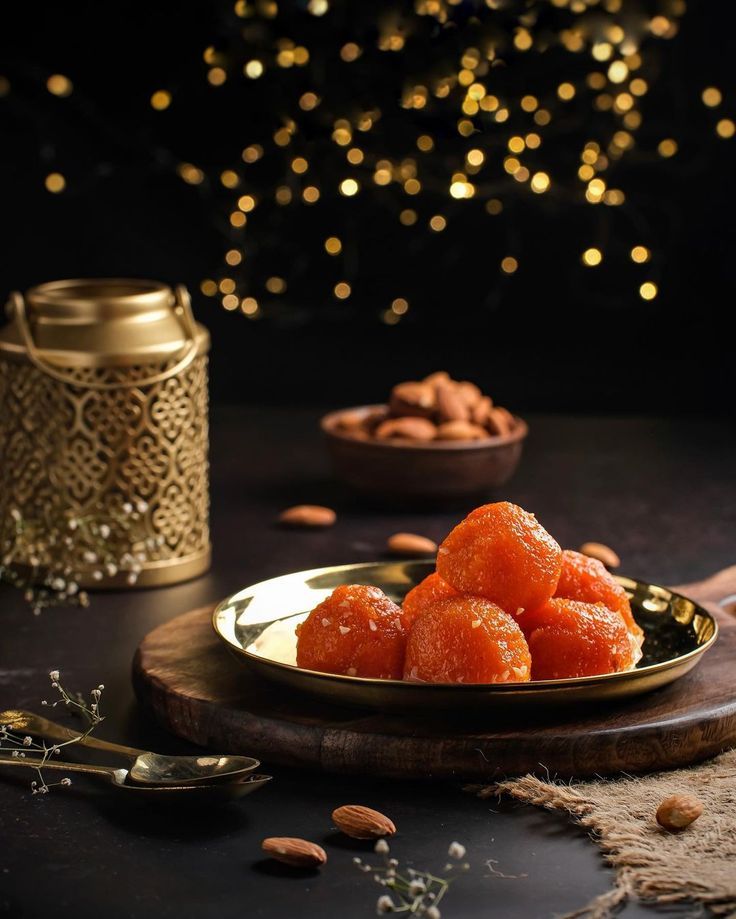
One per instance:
(103,406)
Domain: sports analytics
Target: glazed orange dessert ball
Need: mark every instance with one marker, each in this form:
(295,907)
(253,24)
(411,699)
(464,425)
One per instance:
(356,631)
(586,579)
(502,553)
(427,592)
(466,640)
(568,638)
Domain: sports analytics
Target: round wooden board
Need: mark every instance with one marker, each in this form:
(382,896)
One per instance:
(199,691)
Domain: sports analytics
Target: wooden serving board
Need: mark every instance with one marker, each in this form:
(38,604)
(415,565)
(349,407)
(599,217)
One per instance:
(199,691)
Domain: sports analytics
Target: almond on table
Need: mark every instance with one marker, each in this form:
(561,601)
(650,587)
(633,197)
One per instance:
(308,515)
(411,544)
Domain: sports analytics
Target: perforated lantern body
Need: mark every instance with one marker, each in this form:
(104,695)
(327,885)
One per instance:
(103,407)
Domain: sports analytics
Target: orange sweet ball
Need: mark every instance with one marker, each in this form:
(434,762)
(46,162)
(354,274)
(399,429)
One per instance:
(466,640)
(568,638)
(586,579)
(502,553)
(356,631)
(427,592)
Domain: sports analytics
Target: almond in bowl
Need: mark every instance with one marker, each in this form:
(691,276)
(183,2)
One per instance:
(435,439)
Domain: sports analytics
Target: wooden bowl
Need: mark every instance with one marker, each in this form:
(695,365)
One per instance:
(439,470)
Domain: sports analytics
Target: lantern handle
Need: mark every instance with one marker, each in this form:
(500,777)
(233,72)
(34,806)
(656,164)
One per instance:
(183,310)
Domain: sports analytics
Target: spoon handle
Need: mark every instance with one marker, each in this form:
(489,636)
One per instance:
(42,727)
(106,772)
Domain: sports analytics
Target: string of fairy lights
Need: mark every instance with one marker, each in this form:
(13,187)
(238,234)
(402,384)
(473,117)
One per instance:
(414,120)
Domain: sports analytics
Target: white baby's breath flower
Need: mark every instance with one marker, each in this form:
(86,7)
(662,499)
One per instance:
(142,507)
(65,781)
(127,508)
(54,676)
(456,850)
(381,847)
(385,904)
(104,530)
(432,913)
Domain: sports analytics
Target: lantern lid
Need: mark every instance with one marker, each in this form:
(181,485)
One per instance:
(101,322)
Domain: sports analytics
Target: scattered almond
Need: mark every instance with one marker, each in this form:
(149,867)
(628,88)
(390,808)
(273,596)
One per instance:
(450,404)
(678,811)
(409,428)
(602,552)
(411,544)
(308,515)
(299,853)
(362,822)
(461,430)
(439,376)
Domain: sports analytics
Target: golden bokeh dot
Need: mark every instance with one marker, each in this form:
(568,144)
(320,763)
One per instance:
(638,87)
(529,103)
(208,287)
(59,85)
(252,153)
(516,144)
(640,254)
(227,286)
(253,69)
(566,91)
(596,80)
(233,257)
(617,72)
(382,176)
(190,174)
(318,7)
(475,157)
(282,137)
(349,187)
(540,182)
(249,306)
(648,290)
(161,100)
(308,101)
(310,195)
(509,264)
(283,195)
(592,257)
(350,52)
(238,219)
(216,76)
(390,317)
(667,147)
(275,285)
(725,128)
(425,143)
(342,290)
(55,182)
(355,156)
(412,186)
(542,117)
(229,178)
(711,96)
(532,141)
(246,203)
(494,206)
(511,165)
(230,302)
(333,246)
(437,223)
(400,306)
(408,217)
(602,51)
(523,39)
(299,165)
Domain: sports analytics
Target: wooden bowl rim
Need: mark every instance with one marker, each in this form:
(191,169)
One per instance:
(328,421)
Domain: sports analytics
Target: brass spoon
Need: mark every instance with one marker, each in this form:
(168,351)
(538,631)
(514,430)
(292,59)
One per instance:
(146,768)
(118,778)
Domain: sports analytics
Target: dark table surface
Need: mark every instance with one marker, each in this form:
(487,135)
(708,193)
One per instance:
(662,492)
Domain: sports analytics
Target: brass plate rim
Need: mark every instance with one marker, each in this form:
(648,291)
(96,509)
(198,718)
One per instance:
(292,674)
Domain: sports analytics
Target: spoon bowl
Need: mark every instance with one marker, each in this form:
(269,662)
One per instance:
(146,768)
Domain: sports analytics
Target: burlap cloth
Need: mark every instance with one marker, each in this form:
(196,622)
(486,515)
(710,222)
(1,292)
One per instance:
(697,865)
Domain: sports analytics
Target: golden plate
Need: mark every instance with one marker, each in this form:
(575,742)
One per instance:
(258,625)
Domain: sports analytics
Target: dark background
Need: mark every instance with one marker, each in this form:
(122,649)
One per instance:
(554,336)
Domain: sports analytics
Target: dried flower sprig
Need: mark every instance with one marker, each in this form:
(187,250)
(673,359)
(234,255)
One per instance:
(46,558)
(24,746)
(416,892)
